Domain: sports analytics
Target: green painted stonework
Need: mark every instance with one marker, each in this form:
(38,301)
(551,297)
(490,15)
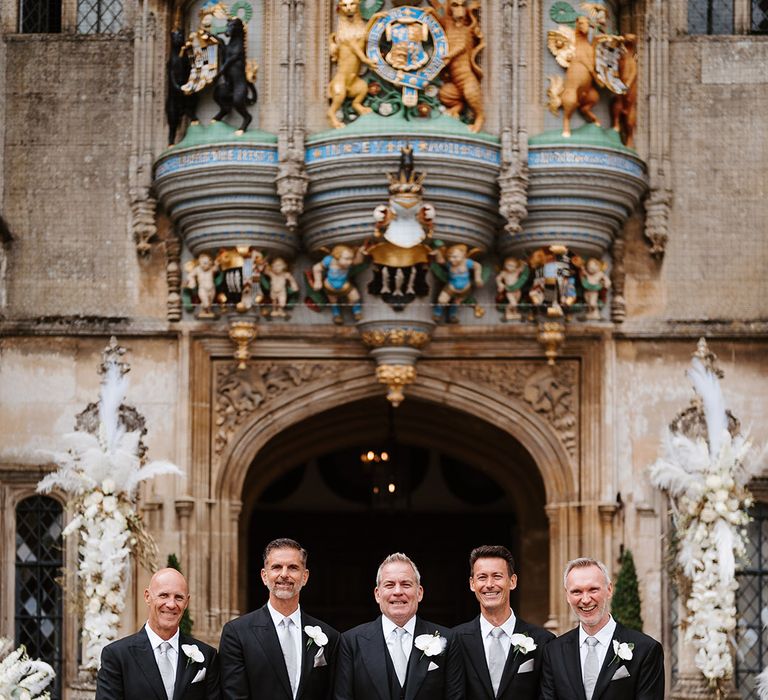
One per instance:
(586,135)
(219,132)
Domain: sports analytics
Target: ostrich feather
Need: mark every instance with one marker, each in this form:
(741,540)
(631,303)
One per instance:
(707,386)
(722,534)
(761,684)
(153,469)
(113,390)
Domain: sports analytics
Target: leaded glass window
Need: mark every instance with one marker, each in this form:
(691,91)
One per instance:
(752,606)
(99,16)
(40,16)
(759,23)
(39,522)
(710,17)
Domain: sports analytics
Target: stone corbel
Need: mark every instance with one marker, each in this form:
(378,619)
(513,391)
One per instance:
(291,181)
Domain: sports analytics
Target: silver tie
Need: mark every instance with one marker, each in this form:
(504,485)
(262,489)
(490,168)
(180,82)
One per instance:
(398,655)
(591,667)
(496,659)
(167,672)
(289,650)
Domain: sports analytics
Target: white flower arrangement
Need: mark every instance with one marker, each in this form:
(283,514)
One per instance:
(761,684)
(430,644)
(193,653)
(100,473)
(706,482)
(316,636)
(522,643)
(22,678)
(622,650)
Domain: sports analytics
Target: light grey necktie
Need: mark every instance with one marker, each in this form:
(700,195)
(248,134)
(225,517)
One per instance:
(398,655)
(289,650)
(591,667)
(496,659)
(167,672)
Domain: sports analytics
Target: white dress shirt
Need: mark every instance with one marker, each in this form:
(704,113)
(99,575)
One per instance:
(407,640)
(604,637)
(156,640)
(295,617)
(506,639)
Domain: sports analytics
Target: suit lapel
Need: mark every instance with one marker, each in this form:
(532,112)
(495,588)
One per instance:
(514,659)
(264,632)
(373,650)
(418,663)
(572,664)
(186,669)
(144,655)
(475,650)
(307,658)
(608,668)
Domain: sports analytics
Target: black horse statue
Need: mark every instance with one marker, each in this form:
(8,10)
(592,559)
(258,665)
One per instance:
(177,103)
(232,88)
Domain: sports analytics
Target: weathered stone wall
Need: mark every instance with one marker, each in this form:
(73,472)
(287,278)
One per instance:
(714,267)
(67,141)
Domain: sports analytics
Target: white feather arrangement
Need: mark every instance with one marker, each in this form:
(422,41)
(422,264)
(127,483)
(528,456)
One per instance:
(100,473)
(706,482)
(761,684)
(22,677)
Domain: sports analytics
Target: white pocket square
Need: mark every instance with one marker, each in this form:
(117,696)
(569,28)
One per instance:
(320,659)
(621,672)
(432,666)
(199,676)
(526,666)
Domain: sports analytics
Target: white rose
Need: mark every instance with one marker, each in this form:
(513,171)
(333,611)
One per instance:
(94,605)
(713,482)
(110,504)
(193,652)
(108,486)
(316,634)
(623,650)
(430,644)
(523,642)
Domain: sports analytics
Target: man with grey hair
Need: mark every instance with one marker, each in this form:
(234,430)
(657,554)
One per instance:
(601,659)
(398,656)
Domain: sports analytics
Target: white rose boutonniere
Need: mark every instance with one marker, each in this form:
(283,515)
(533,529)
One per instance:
(622,650)
(192,653)
(522,643)
(316,636)
(430,644)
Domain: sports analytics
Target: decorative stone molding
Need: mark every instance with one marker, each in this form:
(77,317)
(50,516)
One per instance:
(239,393)
(395,336)
(142,203)
(551,391)
(173,276)
(618,277)
(659,200)
(396,377)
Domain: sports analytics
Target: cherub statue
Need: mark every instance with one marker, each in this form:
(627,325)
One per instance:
(461,78)
(509,285)
(461,275)
(594,280)
(281,282)
(347,48)
(624,106)
(201,278)
(576,53)
(332,275)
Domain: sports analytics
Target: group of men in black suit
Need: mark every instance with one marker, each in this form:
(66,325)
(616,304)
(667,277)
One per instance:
(278,652)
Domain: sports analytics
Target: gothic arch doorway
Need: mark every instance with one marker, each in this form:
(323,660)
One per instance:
(458,482)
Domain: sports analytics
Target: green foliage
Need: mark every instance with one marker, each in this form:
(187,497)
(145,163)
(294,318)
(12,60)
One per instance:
(626,596)
(185,626)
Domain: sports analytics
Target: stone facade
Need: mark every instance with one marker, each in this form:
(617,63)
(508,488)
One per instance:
(80,126)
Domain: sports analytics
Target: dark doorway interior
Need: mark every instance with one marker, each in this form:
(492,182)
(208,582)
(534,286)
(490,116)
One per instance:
(341,509)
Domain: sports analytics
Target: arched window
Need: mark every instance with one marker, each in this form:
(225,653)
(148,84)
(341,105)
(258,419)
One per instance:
(39,561)
(752,605)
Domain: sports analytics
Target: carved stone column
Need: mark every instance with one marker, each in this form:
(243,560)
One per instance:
(184,507)
(607,512)
(173,276)
(659,199)
(558,558)
(618,278)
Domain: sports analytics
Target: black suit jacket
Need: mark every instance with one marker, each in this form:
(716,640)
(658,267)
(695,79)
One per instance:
(468,667)
(561,670)
(129,671)
(252,663)
(362,667)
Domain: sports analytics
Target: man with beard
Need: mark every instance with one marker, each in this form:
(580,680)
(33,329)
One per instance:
(498,654)
(278,651)
(600,659)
